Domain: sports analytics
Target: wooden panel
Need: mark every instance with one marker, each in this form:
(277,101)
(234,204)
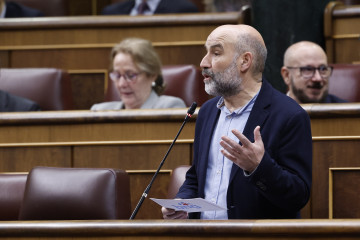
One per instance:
(341,31)
(66,133)
(4,59)
(345,25)
(335,127)
(47,32)
(344,197)
(23,159)
(94,57)
(330,153)
(340,119)
(88,88)
(183,229)
(131,157)
(137,140)
(345,50)
(139,180)
(305,212)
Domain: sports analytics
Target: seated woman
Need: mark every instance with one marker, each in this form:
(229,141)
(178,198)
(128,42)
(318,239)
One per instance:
(136,72)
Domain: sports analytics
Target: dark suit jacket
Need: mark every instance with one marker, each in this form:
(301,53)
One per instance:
(334,99)
(280,186)
(165,6)
(14,10)
(12,103)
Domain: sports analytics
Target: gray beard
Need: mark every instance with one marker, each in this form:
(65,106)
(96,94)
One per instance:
(225,84)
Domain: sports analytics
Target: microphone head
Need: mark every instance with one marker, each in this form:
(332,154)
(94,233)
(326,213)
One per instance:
(192,108)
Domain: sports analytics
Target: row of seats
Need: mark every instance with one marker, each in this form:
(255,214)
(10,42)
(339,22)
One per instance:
(49,193)
(51,88)
(68,7)
(60,7)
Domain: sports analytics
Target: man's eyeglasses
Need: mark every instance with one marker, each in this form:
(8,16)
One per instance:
(129,77)
(308,71)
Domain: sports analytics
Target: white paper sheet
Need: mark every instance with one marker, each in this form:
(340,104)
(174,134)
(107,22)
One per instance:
(188,205)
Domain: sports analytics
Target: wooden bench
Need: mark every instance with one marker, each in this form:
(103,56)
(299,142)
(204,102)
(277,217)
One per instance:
(341,31)
(137,140)
(81,45)
(183,229)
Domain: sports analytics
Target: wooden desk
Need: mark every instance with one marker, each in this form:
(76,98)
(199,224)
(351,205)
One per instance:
(81,45)
(137,140)
(183,229)
(134,140)
(336,139)
(341,31)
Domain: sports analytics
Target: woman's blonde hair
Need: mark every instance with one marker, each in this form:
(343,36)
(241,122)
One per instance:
(144,56)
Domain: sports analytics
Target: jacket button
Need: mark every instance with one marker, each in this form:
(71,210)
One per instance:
(261,185)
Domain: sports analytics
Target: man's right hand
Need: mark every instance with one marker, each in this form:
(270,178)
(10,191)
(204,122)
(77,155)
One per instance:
(169,213)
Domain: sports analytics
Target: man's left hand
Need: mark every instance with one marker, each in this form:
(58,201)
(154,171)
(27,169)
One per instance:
(248,155)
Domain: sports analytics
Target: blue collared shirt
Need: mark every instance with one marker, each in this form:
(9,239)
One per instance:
(219,167)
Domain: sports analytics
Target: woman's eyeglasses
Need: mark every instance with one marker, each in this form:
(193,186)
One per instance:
(129,77)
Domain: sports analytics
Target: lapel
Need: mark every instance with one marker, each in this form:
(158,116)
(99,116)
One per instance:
(126,7)
(257,117)
(209,125)
(163,7)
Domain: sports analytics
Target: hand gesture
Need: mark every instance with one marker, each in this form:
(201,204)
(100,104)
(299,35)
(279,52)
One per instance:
(248,155)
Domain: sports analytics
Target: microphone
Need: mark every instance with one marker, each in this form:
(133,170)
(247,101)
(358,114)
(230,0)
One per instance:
(189,113)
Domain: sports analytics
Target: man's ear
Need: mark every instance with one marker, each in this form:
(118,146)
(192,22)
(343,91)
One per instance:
(246,60)
(285,75)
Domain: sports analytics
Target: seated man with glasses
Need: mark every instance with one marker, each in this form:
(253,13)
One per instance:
(136,72)
(306,73)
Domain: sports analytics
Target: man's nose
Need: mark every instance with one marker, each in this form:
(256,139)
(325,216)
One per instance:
(205,62)
(317,76)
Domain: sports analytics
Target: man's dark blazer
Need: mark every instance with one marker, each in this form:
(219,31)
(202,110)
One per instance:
(15,10)
(334,99)
(165,6)
(12,103)
(280,186)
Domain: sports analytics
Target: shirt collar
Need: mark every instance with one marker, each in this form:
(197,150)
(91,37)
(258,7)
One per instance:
(221,105)
(152,4)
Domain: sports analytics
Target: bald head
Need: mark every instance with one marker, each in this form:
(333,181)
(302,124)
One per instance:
(302,86)
(234,31)
(244,38)
(300,51)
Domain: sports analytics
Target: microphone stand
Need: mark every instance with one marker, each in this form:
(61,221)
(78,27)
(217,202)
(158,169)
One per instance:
(145,193)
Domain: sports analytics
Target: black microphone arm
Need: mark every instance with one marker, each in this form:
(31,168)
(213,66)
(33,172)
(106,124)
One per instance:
(190,112)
